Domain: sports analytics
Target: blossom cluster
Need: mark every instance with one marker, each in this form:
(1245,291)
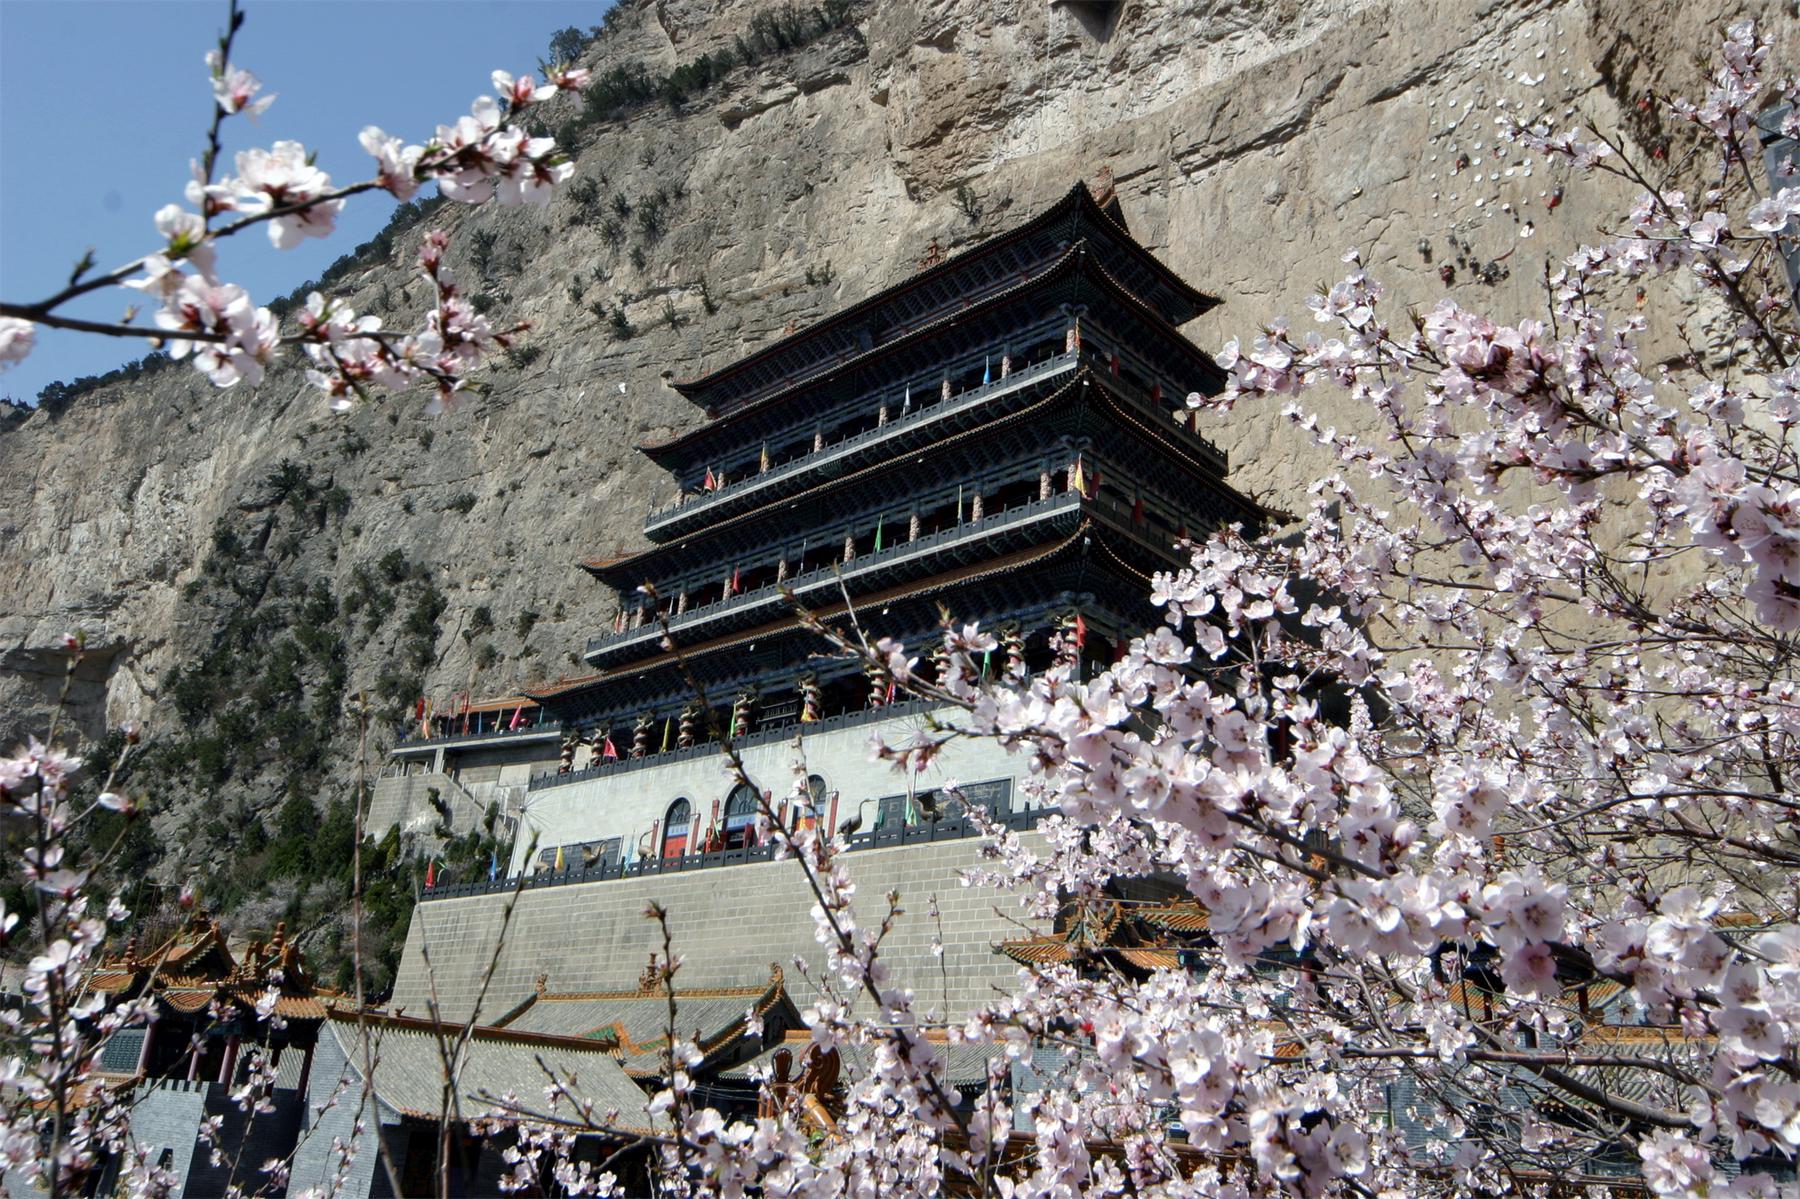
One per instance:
(479,157)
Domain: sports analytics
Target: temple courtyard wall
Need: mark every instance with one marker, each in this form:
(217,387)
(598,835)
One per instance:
(728,924)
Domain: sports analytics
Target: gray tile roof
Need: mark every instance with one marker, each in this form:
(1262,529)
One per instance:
(409,1070)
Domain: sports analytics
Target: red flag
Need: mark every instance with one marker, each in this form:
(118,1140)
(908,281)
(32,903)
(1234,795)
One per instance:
(608,751)
(890,693)
(430,874)
(419,709)
(518,714)
(1137,511)
(1080,631)
(1115,364)
(737,581)
(709,483)
(1156,393)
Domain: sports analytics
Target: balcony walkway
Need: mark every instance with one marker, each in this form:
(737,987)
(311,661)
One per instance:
(956,829)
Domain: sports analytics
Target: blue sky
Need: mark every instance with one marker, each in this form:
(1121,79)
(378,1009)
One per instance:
(103,103)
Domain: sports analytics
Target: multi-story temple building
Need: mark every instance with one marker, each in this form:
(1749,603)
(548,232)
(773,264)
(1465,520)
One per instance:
(1003,434)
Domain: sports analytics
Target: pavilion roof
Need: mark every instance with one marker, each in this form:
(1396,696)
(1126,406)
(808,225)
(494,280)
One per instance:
(960,576)
(637,1021)
(494,1068)
(1148,936)
(1078,203)
(611,570)
(1077,261)
(194,968)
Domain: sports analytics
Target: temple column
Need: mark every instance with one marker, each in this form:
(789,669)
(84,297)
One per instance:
(946,388)
(975,512)
(681,602)
(1012,641)
(809,699)
(818,440)
(849,546)
(912,526)
(640,737)
(684,734)
(781,569)
(1044,484)
(230,1062)
(568,753)
(143,1062)
(306,1056)
(881,416)
(878,687)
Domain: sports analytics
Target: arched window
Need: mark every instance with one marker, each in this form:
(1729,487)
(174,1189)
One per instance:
(818,800)
(740,814)
(675,828)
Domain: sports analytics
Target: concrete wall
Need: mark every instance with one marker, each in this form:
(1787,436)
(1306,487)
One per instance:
(405,800)
(729,923)
(625,804)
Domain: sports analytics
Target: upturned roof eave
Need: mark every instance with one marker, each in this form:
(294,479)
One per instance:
(668,453)
(1078,201)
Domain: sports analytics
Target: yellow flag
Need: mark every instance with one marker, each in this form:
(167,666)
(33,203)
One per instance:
(559,857)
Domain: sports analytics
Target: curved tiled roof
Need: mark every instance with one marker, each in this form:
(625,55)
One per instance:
(194,968)
(1072,260)
(962,576)
(492,1064)
(1077,199)
(602,567)
(637,1022)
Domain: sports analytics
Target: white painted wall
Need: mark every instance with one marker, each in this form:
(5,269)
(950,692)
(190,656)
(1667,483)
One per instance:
(624,804)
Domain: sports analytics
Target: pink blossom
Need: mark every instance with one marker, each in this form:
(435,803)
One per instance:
(16,338)
(280,178)
(397,164)
(233,87)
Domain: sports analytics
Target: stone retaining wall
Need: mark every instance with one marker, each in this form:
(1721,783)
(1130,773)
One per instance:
(728,924)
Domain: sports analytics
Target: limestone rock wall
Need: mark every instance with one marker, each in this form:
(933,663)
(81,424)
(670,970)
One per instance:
(1251,143)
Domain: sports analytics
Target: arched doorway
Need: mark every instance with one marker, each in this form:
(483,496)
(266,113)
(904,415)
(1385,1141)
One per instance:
(740,815)
(675,828)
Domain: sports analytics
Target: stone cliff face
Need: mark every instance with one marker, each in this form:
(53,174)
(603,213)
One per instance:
(187,529)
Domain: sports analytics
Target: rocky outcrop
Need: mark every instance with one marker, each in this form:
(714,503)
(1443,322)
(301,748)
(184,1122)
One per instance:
(1251,143)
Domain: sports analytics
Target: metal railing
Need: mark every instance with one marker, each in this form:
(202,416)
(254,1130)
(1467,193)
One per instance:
(956,829)
(458,738)
(813,459)
(763,735)
(825,576)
